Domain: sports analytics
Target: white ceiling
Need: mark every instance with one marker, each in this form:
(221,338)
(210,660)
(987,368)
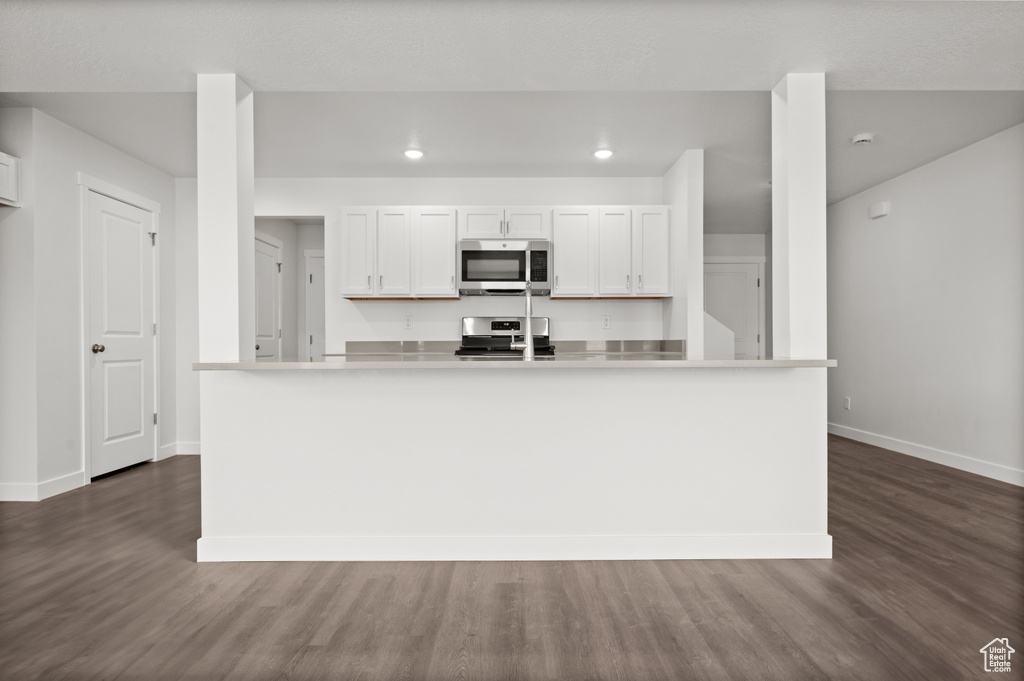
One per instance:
(527,87)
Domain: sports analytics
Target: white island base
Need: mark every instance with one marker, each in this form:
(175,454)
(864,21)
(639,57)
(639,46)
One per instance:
(541,463)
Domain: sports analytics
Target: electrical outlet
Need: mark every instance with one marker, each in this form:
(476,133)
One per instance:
(606,322)
(408,322)
(846,403)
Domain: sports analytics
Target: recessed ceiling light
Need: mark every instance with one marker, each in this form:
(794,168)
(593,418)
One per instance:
(863,138)
(604,153)
(413,153)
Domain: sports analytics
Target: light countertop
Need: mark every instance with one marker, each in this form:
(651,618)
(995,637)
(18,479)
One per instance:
(448,361)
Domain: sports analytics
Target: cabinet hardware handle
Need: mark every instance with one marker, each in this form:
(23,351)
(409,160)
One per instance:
(452,284)
(627,282)
(368,284)
(556,281)
(381,284)
(640,282)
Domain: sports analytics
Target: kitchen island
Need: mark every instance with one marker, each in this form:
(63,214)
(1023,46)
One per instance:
(419,455)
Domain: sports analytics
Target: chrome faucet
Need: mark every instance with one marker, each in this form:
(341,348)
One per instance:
(527,345)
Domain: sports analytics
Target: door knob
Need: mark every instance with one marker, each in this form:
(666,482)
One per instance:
(257,346)
(98,348)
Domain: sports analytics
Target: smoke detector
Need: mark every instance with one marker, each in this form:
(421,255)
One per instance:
(863,138)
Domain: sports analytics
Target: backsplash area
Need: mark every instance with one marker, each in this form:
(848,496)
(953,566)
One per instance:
(349,320)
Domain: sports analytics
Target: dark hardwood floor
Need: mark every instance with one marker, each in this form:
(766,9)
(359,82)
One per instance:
(102,583)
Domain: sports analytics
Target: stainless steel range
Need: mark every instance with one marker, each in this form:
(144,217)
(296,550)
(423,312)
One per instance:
(494,336)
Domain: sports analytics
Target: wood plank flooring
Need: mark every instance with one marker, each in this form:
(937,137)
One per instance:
(102,583)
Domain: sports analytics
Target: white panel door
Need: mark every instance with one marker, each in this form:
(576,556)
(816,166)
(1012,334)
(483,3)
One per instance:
(356,259)
(315,307)
(528,222)
(434,253)
(574,241)
(732,297)
(481,222)
(394,276)
(120,358)
(615,244)
(651,255)
(268,297)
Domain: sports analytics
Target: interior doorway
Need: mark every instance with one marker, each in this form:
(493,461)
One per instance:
(268,297)
(119,325)
(734,295)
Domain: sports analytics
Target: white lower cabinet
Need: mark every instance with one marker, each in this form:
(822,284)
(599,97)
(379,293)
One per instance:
(434,252)
(574,243)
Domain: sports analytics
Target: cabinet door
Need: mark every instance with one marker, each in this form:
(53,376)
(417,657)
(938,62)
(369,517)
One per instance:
(434,253)
(9,180)
(574,241)
(393,272)
(528,222)
(357,227)
(481,222)
(615,246)
(651,255)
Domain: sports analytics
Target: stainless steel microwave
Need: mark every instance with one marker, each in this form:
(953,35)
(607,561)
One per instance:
(500,268)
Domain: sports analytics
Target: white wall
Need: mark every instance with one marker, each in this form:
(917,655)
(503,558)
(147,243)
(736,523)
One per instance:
(926,311)
(18,427)
(724,245)
(187,313)
(58,154)
(287,232)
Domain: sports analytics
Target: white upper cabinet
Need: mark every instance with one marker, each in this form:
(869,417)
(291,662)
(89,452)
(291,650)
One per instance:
(528,222)
(394,231)
(358,234)
(574,242)
(651,255)
(10,180)
(374,247)
(496,222)
(615,244)
(481,222)
(434,247)
(635,255)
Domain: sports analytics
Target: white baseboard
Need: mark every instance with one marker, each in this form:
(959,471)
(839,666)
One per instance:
(166,451)
(221,549)
(19,491)
(188,448)
(30,491)
(64,483)
(959,461)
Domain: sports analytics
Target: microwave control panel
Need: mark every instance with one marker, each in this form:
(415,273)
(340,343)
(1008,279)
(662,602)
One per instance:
(505,325)
(539,266)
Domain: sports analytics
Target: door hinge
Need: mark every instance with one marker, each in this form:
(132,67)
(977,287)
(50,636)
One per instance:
(278,268)
(311,279)
(279,333)
(758,338)
(154,418)
(152,237)
(759,282)
(310,340)
(154,328)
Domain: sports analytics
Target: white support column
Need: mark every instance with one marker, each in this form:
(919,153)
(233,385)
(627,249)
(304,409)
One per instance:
(798,217)
(683,188)
(227,301)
